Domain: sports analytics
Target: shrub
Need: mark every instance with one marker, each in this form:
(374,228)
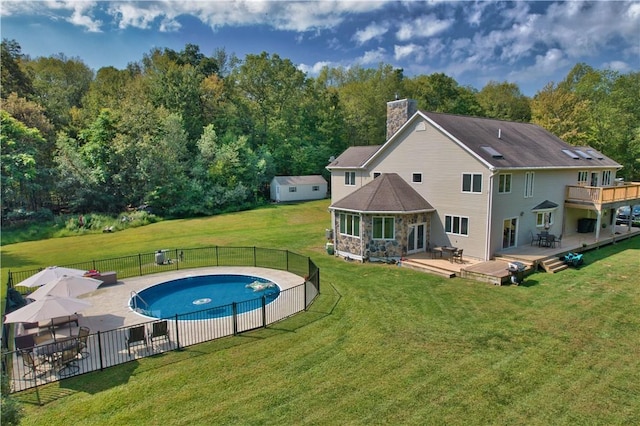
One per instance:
(10,410)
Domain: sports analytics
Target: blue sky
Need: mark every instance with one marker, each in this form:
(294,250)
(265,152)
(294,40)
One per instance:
(524,42)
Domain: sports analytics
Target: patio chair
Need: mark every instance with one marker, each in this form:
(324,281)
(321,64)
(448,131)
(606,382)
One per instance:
(559,240)
(137,335)
(159,331)
(535,239)
(550,241)
(26,341)
(83,336)
(66,362)
(457,256)
(32,364)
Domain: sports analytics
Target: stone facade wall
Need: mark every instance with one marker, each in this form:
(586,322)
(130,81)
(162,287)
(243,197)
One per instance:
(398,112)
(368,248)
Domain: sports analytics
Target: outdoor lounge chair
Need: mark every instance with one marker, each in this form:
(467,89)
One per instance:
(159,331)
(137,335)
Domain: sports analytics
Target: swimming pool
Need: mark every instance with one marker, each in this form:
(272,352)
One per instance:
(204,296)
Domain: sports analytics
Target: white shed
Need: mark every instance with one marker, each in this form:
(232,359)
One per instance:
(298,188)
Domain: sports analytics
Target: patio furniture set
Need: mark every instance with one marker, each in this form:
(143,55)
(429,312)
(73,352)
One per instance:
(545,239)
(57,356)
(453,253)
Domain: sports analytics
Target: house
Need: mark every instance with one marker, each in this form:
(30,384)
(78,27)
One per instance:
(298,188)
(482,185)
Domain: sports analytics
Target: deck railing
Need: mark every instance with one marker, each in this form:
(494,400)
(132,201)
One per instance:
(603,195)
(104,349)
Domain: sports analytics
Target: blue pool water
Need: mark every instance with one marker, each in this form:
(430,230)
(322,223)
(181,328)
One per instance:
(207,296)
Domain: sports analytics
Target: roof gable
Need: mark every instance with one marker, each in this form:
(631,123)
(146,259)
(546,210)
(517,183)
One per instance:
(387,193)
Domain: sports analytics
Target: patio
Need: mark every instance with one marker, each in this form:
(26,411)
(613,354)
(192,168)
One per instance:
(495,270)
(109,317)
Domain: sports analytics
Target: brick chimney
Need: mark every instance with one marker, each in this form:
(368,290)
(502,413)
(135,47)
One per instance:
(398,113)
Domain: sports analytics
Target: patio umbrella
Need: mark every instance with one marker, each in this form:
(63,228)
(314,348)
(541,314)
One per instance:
(49,274)
(46,308)
(66,286)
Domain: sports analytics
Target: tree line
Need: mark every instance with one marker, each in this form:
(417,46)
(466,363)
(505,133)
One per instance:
(191,134)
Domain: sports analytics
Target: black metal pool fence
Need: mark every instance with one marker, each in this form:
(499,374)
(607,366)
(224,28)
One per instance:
(31,367)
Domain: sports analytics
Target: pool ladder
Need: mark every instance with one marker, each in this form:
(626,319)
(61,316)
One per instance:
(135,296)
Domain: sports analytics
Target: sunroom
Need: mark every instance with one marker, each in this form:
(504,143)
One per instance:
(384,220)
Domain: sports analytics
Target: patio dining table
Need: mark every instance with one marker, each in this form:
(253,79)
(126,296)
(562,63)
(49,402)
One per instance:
(546,240)
(51,351)
(446,249)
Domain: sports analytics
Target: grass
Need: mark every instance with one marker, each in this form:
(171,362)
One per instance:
(382,344)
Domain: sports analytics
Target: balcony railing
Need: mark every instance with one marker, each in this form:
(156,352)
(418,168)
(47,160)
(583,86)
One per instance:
(599,196)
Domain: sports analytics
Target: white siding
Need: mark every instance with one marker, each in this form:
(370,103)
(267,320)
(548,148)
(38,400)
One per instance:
(303,191)
(442,163)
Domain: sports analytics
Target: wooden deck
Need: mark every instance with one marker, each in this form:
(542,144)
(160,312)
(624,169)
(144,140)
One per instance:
(495,271)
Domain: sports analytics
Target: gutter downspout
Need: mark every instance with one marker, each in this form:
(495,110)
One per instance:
(487,253)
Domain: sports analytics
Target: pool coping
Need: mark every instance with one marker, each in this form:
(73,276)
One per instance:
(110,304)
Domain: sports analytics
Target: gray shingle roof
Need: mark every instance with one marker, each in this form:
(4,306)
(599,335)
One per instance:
(387,193)
(520,145)
(300,180)
(354,156)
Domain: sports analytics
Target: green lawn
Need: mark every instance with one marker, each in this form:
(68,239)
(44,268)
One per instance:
(381,345)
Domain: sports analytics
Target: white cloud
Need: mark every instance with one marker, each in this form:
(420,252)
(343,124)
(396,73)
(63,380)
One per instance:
(314,69)
(372,31)
(373,56)
(619,66)
(299,16)
(81,16)
(413,51)
(422,27)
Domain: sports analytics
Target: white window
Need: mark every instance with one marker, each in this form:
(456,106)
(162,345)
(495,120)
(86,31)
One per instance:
(293,189)
(350,224)
(583,177)
(416,178)
(544,219)
(504,183)
(606,178)
(350,178)
(472,182)
(315,188)
(384,228)
(457,225)
(528,184)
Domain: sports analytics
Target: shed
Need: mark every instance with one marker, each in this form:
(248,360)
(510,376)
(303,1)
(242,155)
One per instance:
(298,188)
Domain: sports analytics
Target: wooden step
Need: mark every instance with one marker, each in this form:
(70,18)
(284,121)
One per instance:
(553,265)
(428,268)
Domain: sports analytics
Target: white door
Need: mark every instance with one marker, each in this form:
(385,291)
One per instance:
(509,232)
(416,238)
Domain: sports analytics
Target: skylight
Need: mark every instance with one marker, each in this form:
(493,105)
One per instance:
(584,154)
(595,154)
(571,154)
(492,152)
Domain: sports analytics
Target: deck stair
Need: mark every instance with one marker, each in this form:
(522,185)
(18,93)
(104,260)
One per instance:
(553,265)
(408,263)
